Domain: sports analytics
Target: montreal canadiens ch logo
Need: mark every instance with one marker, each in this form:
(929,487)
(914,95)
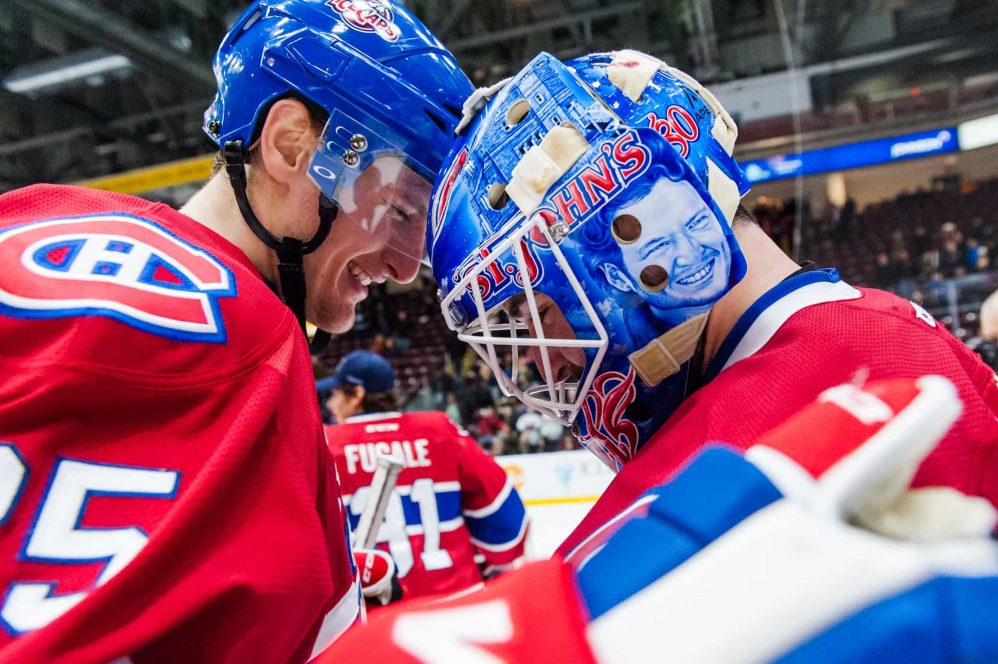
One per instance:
(368,16)
(117,266)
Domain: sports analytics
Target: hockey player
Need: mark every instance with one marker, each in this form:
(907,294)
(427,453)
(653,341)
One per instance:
(452,504)
(589,217)
(809,547)
(167,493)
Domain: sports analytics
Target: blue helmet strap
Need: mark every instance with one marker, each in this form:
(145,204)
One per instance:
(290,251)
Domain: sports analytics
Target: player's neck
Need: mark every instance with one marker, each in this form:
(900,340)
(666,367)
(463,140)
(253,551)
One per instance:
(214,206)
(767,266)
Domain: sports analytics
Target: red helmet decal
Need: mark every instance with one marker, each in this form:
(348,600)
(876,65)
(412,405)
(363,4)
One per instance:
(604,414)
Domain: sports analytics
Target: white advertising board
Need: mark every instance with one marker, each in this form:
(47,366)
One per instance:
(558,489)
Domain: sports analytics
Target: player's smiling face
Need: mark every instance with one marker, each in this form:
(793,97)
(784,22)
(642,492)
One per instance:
(386,208)
(674,251)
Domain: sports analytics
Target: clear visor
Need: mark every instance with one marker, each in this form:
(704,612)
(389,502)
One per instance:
(374,182)
(535,353)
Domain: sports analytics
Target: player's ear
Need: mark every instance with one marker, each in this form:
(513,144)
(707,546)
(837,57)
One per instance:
(616,278)
(358,397)
(287,140)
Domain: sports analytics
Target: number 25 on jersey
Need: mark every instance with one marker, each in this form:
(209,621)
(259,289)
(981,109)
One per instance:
(57,536)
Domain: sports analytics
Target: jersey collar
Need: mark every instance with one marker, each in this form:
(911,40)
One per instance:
(370,417)
(764,318)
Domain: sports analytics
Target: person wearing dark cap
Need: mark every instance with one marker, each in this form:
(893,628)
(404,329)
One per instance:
(362,382)
(453,506)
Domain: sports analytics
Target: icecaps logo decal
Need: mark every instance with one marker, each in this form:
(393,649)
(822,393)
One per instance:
(368,16)
(607,432)
(117,266)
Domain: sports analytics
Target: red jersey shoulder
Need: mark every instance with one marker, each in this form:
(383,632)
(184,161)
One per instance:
(424,442)
(438,444)
(433,425)
(106,264)
(921,319)
(879,301)
(818,347)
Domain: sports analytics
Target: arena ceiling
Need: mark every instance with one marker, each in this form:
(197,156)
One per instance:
(91,87)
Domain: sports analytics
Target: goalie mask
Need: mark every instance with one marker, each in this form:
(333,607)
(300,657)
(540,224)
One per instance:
(582,222)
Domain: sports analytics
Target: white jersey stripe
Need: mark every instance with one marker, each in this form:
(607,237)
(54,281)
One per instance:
(405,489)
(344,614)
(372,417)
(492,507)
(625,513)
(773,318)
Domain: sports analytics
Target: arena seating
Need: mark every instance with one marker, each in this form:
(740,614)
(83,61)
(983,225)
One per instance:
(916,107)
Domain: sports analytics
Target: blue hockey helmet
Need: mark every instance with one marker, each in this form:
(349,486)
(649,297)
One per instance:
(392,92)
(583,219)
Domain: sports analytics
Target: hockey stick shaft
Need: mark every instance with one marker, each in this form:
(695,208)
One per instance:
(385,477)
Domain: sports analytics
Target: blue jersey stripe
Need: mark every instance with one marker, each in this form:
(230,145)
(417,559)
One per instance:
(909,627)
(448,508)
(717,491)
(502,526)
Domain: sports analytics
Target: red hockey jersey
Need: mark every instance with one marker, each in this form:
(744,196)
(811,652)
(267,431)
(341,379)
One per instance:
(167,493)
(533,615)
(807,334)
(452,500)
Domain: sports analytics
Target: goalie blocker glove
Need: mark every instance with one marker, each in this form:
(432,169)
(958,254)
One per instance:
(813,550)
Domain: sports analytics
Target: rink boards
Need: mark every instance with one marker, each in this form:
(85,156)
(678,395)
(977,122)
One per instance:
(558,489)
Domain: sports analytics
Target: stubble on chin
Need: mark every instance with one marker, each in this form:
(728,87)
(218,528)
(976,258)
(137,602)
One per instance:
(344,321)
(337,317)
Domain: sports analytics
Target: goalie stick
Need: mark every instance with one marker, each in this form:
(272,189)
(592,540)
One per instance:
(387,473)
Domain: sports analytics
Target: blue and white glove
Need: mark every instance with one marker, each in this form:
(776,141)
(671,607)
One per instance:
(809,548)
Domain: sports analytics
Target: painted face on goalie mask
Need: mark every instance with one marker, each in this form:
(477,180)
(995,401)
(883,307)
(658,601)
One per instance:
(674,251)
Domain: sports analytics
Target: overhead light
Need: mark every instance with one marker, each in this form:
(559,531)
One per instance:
(978,133)
(60,71)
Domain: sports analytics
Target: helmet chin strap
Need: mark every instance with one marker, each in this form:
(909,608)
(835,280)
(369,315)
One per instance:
(290,251)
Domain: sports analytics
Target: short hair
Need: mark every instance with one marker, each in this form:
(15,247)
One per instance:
(375,402)
(597,233)
(743,217)
(664,166)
